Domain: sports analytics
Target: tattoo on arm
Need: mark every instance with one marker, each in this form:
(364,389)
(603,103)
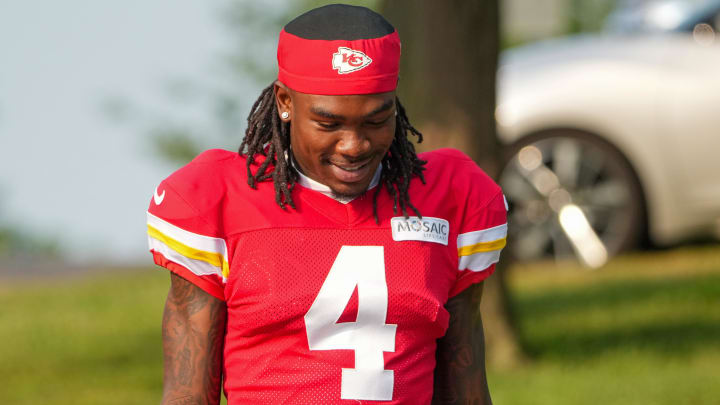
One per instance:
(187,400)
(460,376)
(193,334)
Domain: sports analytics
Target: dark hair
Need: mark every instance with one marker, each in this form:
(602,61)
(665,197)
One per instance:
(269,136)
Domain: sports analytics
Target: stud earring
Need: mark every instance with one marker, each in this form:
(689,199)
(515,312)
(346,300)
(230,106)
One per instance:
(285,115)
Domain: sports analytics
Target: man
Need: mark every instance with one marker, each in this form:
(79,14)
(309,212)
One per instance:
(327,263)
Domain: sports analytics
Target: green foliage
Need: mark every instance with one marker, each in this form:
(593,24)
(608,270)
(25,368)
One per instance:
(578,17)
(645,330)
(175,144)
(252,29)
(18,245)
(588,15)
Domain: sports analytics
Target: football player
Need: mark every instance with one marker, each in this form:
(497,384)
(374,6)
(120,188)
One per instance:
(326,262)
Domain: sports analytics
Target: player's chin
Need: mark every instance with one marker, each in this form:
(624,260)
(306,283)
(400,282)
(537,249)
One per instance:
(352,190)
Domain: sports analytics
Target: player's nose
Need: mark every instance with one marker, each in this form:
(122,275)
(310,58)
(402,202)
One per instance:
(353,144)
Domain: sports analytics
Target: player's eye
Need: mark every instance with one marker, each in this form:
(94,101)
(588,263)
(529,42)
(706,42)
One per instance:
(380,122)
(327,125)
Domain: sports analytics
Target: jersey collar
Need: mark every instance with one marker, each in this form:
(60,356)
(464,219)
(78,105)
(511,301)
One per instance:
(307,182)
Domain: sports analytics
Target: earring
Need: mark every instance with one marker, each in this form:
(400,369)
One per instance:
(285,115)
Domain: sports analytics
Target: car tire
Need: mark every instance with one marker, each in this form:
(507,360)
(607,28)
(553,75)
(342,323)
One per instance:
(571,195)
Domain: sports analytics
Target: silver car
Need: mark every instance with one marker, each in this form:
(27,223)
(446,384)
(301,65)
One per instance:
(612,138)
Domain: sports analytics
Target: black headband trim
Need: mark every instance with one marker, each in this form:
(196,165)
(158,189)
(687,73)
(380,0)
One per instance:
(339,22)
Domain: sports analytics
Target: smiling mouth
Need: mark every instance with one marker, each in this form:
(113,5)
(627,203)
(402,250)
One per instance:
(351,168)
(351,172)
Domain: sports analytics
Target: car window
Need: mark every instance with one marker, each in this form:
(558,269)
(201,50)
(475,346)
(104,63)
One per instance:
(709,15)
(653,16)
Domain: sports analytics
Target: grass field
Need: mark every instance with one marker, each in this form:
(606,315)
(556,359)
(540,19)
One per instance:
(644,330)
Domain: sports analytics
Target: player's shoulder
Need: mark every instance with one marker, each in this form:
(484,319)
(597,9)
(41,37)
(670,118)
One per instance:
(210,160)
(192,196)
(447,156)
(450,160)
(456,171)
(210,170)
(214,156)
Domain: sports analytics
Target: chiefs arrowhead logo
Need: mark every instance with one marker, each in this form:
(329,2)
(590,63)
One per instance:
(347,60)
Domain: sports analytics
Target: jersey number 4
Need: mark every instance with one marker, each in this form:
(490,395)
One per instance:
(369,336)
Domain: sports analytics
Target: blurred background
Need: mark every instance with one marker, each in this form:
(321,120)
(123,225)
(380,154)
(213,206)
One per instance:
(598,117)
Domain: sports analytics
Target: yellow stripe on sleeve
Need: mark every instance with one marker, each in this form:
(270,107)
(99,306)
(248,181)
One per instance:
(482,247)
(215,259)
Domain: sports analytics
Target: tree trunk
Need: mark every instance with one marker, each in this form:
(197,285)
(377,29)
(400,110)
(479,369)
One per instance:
(447,82)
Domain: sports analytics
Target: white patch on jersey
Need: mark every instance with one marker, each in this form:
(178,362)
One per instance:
(427,229)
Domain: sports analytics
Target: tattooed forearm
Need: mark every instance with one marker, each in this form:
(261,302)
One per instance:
(213,370)
(193,335)
(186,400)
(184,364)
(460,372)
(187,297)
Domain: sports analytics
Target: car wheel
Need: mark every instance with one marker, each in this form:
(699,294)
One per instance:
(571,195)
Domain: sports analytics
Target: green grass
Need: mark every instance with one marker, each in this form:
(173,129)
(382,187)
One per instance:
(94,341)
(643,330)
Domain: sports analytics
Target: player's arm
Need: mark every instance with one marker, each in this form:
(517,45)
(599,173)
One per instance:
(460,371)
(193,331)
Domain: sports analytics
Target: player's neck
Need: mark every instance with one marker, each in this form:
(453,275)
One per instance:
(315,185)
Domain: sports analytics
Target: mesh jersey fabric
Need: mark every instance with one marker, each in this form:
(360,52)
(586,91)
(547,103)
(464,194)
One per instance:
(270,267)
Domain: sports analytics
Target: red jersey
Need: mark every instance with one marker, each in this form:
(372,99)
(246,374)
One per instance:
(324,304)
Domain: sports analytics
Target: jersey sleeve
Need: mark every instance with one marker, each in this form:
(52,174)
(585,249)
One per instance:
(482,229)
(183,234)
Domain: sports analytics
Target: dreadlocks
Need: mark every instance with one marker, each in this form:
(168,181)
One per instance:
(269,136)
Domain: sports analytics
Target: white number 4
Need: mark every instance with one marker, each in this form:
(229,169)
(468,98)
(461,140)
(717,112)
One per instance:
(369,336)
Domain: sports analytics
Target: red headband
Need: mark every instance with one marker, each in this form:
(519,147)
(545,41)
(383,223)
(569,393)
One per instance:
(339,67)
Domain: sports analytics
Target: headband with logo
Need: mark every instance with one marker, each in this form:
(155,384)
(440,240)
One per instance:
(338,50)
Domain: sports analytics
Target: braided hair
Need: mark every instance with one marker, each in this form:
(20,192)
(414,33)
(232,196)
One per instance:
(268,136)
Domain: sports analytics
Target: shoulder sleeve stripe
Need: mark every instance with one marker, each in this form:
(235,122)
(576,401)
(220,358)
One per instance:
(478,250)
(197,241)
(197,267)
(482,247)
(214,259)
(198,248)
(483,235)
(479,261)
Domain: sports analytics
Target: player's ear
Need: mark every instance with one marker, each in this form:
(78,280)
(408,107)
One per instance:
(283,100)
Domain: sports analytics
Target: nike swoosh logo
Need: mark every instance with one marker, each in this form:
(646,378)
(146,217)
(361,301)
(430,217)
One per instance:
(159,197)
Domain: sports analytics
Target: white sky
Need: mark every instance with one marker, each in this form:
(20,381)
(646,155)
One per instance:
(66,170)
